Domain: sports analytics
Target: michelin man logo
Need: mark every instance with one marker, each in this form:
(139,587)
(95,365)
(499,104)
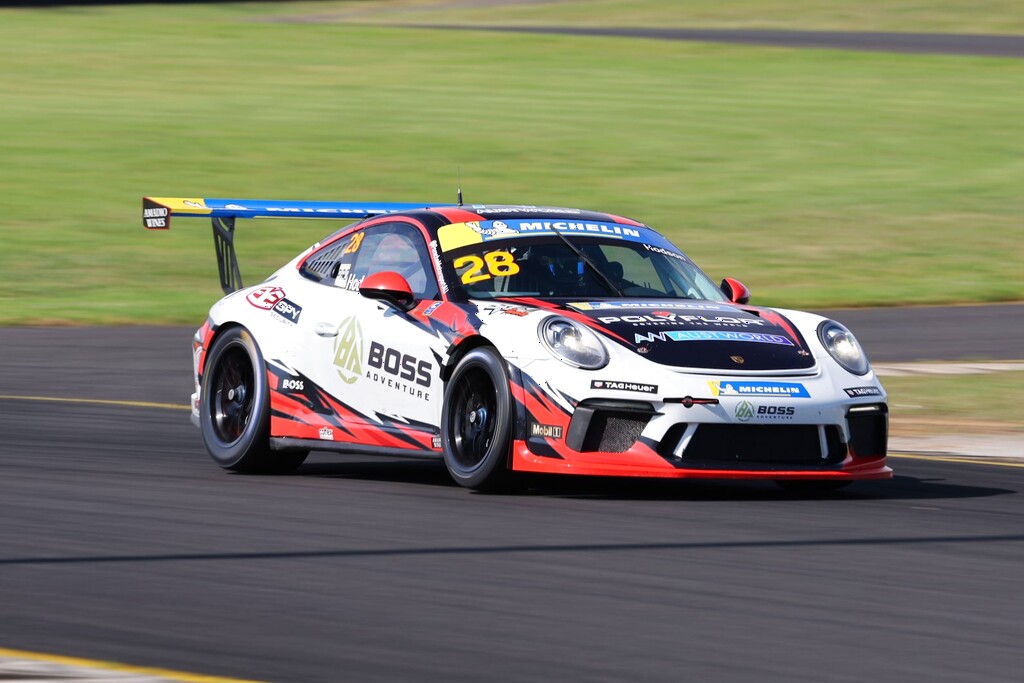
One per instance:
(497,228)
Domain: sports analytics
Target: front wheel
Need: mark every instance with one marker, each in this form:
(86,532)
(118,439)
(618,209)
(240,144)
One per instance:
(476,423)
(234,412)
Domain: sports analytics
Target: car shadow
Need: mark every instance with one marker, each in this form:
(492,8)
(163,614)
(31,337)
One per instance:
(417,472)
(898,488)
(413,471)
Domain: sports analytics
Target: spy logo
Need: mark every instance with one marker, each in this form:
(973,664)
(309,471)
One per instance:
(348,350)
(744,411)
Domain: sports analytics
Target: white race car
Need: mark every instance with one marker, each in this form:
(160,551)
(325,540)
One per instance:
(510,339)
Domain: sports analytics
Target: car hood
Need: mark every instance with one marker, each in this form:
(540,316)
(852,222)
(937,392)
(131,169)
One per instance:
(695,334)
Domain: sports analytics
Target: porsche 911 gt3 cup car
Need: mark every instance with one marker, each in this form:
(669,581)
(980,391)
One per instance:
(509,339)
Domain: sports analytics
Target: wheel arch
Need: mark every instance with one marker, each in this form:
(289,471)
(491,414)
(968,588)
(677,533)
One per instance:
(514,375)
(458,350)
(251,450)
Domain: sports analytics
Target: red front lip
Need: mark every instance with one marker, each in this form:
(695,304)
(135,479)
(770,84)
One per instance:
(644,463)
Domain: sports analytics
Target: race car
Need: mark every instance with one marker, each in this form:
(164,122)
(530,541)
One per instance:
(512,339)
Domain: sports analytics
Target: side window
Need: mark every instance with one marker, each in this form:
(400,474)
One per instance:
(320,265)
(398,247)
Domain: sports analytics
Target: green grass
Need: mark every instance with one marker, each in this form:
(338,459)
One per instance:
(955,401)
(951,16)
(818,178)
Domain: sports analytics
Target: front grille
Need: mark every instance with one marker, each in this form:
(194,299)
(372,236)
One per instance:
(762,446)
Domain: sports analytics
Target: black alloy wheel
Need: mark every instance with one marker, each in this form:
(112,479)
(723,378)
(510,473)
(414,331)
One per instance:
(234,412)
(234,388)
(476,425)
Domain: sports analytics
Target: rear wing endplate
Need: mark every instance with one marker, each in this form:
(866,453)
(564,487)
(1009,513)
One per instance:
(157,213)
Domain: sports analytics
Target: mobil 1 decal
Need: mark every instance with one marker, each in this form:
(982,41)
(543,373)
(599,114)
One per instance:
(399,371)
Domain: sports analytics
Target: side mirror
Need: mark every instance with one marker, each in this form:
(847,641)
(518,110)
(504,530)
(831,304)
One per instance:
(735,290)
(388,286)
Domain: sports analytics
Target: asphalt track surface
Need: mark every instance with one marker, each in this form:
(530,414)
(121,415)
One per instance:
(869,41)
(121,541)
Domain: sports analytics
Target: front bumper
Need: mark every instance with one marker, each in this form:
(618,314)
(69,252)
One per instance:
(827,438)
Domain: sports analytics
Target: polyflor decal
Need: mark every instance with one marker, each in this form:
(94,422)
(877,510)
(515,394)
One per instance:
(663,318)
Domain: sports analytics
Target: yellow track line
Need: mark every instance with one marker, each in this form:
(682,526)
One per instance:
(945,458)
(98,401)
(165,674)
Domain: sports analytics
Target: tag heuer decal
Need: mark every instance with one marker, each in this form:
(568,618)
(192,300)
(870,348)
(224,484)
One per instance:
(615,385)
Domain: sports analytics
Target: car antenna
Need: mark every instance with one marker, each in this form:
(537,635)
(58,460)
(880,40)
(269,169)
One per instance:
(458,194)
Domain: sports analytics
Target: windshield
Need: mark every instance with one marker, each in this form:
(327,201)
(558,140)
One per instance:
(548,266)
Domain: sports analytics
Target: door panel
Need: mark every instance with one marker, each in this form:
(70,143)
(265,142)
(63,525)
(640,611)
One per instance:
(376,364)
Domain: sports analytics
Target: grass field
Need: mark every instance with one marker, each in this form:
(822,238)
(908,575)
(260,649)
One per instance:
(819,178)
(950,16)
(959,403)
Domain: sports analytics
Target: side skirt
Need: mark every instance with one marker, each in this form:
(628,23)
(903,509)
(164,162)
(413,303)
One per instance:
(282,443)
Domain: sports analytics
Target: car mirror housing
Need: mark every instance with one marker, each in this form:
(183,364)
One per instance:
(735,290)
(388,286)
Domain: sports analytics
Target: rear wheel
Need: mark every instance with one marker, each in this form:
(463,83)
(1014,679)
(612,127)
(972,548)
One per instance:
(234,412)
(476,424)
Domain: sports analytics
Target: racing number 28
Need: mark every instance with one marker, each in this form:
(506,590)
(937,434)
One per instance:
(354,244)
(497,264)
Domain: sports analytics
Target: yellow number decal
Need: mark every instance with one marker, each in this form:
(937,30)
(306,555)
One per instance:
(498,263)
(353,245)
(476,269)
(501,263)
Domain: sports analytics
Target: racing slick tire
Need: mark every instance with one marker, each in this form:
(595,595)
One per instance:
(234,412)
(476,422)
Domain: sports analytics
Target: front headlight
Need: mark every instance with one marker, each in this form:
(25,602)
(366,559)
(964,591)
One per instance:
(572,343)
(843,346)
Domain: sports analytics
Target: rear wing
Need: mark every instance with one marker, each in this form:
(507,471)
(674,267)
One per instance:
(158,211)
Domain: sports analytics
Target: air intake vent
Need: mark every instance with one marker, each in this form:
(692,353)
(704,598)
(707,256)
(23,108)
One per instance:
(763,446)
(869,429)
(608,426)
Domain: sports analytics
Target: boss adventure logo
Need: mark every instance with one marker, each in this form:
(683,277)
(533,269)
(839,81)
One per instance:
(348,350)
